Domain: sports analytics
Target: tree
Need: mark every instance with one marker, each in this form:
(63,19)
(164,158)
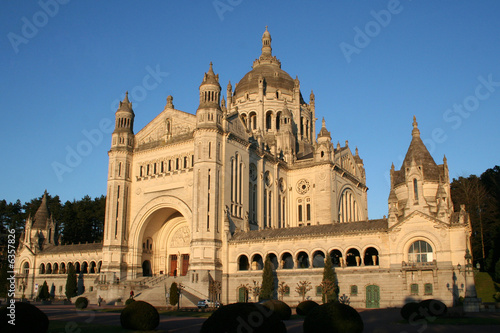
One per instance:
(174,294)
(267,287)
(303,287)
(44,294)
(255,290)
(329,284)
(283,288)
(71,284)
(214,290)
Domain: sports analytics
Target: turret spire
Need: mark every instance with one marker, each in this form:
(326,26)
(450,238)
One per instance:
(266,43)
(415,132)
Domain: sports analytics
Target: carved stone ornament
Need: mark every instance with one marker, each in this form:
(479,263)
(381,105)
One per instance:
(303,186)
(253,172)
(181,238)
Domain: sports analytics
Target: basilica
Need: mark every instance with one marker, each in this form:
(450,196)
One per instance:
(204,198)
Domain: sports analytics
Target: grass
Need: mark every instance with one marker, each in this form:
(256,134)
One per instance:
(57,326)
(486,287)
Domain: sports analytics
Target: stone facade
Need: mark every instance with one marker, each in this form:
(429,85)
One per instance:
(206,197)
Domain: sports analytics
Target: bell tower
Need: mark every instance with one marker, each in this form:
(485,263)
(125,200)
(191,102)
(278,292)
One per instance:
(117,219)
(207,225)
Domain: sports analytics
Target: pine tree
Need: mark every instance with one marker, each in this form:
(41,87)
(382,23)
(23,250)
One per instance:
(71,285)
(43,294)
(174,294)
(267,287)
(329,285)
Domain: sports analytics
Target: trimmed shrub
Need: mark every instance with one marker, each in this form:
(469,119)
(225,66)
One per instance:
(139,315)
(333,317)
(128,301)
(44,294)
(243,317)
(410,310)
(28,318)
(305,307)
(81,303)
(280,308)
(433,307)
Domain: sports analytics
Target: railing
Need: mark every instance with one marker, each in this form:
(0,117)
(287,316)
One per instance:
(419,265)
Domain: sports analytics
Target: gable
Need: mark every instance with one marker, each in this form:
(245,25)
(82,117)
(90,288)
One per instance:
(236,126)
(169,124)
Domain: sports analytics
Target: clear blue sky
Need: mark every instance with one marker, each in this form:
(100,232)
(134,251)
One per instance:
(64,68)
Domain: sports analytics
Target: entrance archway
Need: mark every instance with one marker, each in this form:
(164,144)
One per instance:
(146,268)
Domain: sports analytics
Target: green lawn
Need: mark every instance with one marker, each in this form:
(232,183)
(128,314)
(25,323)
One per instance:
(486,287)
(57,326)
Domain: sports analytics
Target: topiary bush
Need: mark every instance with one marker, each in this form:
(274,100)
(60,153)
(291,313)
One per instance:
(280,308)
(139,315)
(129,301)
(28,318)
(333,317)
(410,311)
(433,308)
(81,303)
(243,317)
(304,307)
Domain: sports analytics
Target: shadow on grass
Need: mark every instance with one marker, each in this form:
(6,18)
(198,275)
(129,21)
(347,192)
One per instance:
(57,326)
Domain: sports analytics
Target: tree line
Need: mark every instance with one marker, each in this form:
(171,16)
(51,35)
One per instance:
(481,197)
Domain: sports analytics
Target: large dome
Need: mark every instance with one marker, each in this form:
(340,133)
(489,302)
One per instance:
(274,77)
(268,67)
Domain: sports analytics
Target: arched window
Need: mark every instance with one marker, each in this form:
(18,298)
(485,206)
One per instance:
(26,269)
(55,269)
(420,251)
(415,189)
(243,263)
(278,120)
(42,268)
(353,258)
(286,261)
(318,259)
(303,260)
(371,257)
(274,260)
(348,207)
(269,120)
(336,257)
(257,263)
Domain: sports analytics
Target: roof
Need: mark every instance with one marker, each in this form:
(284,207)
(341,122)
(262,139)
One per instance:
(313,230)
(42,214)
(74,248)
(274,77)
(418,152)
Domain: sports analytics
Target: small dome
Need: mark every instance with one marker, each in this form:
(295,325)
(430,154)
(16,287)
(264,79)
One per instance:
(275,79)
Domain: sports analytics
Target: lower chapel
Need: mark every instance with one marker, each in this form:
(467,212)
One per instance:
(206,197)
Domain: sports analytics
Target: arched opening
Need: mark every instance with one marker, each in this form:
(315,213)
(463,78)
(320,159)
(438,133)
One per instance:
(336,257)
(48,269)
(42,269)
(26,270)
(420,251)
(243,117)
(99,265)
(63,268)
(257,263)
(92,267)
(287,261)
(85,268)
(165,234)
(146,268)
(243,264)
(278,120)
(253,120)
(371,257)
(274,260)
(77,268)
(243,294)
(302,260)
(269,120)
(55,268)
(353,258)
(318,259)
(348,207)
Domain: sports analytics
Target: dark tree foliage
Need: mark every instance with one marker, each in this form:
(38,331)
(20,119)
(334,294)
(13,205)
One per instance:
(481,197)
(43,294)
(71,285)
(329,284)
(174,294)
(267,286)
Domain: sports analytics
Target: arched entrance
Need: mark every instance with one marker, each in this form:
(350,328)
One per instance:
(164,243)
(146,268)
